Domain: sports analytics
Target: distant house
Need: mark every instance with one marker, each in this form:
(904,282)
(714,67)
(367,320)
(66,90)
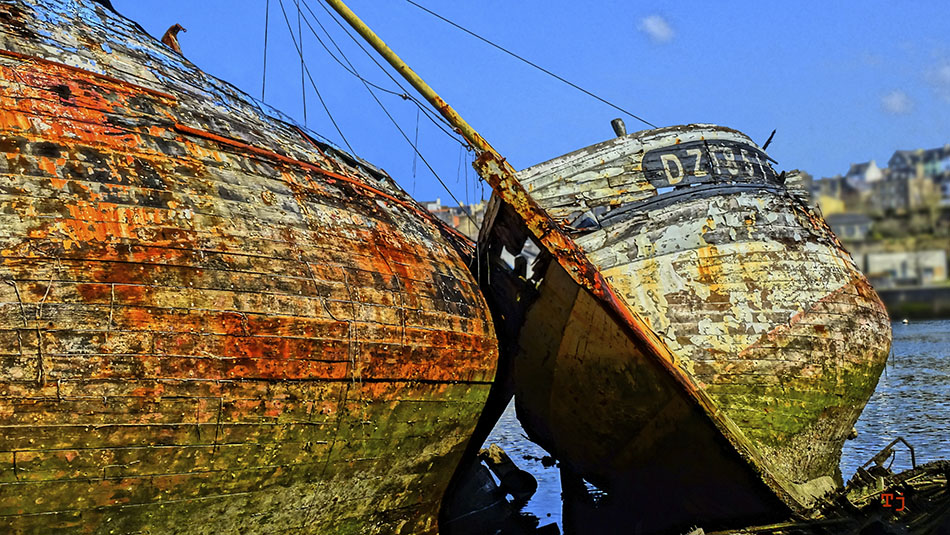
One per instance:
(850,226)
(899,193)
(466,219)
(433,206)
(930,169)
(916,163)
(943,184)
(913,180)
(889,195)
(867,172)
(838,194)
(848,193)
(907,268)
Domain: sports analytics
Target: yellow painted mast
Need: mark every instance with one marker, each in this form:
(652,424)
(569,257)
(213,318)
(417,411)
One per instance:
(469,133)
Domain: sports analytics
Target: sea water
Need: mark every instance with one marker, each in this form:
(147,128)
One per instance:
(912,401)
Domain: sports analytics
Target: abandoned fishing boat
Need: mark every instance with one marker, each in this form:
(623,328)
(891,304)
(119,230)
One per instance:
(214,322)
(692,339)
(731,348)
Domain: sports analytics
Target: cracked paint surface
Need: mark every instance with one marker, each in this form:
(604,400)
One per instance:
(759,305)
(212,321)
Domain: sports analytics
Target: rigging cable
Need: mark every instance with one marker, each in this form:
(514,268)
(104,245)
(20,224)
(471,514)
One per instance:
(409,141)
(458,173)
(314,84)
(424,161)
(415,157)
(353,72)
(266,25)
(303,86)
(436,119)
(535,65)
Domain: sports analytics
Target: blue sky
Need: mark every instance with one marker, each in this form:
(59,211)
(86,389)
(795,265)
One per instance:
(842,82)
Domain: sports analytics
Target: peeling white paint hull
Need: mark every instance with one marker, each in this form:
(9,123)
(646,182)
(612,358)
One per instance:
(775,336)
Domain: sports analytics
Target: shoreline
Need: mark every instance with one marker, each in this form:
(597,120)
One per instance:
(916,302)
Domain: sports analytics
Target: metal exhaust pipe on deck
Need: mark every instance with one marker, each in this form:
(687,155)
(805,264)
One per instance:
(619,128)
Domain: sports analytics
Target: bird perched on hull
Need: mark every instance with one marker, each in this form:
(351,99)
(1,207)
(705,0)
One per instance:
(171,37)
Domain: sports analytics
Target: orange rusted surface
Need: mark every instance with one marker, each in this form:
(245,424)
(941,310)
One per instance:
(106,77)
(208,318)
(305,165)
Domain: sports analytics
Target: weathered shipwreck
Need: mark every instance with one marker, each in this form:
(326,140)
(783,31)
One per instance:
(710,371)
(751,341)
(213,322)
(217,322)
(692,339)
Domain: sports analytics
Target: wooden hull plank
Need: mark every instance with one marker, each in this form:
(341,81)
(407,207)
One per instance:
(211,322)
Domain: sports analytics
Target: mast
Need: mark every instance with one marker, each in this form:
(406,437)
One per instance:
(474,139)
(500,175)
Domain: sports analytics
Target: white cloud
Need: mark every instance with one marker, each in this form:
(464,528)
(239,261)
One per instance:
(939,78)
(656,28)
(897,103)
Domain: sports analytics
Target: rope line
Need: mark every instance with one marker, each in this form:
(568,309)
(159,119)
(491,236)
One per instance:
(314,84)
(366,84)
(415,157)
(348,69)
(426,162)
(266,26)
(418,153)
(424,106)
(303,86)
(408,140)
(535,65)
(435,118)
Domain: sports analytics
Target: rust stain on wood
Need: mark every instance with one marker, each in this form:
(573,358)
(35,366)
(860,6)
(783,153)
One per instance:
(198,323)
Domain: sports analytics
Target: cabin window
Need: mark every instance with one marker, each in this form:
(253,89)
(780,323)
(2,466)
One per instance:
(523,263)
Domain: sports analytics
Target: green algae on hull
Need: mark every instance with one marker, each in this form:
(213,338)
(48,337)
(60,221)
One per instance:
(214,322)
(762,339)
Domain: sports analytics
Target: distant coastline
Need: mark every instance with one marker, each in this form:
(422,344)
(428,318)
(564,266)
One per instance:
(916,302)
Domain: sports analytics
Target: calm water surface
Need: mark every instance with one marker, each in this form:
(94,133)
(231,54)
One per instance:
(912,401)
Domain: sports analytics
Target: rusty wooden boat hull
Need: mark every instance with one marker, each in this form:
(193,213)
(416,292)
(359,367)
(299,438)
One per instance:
(763,340)
(212,322)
